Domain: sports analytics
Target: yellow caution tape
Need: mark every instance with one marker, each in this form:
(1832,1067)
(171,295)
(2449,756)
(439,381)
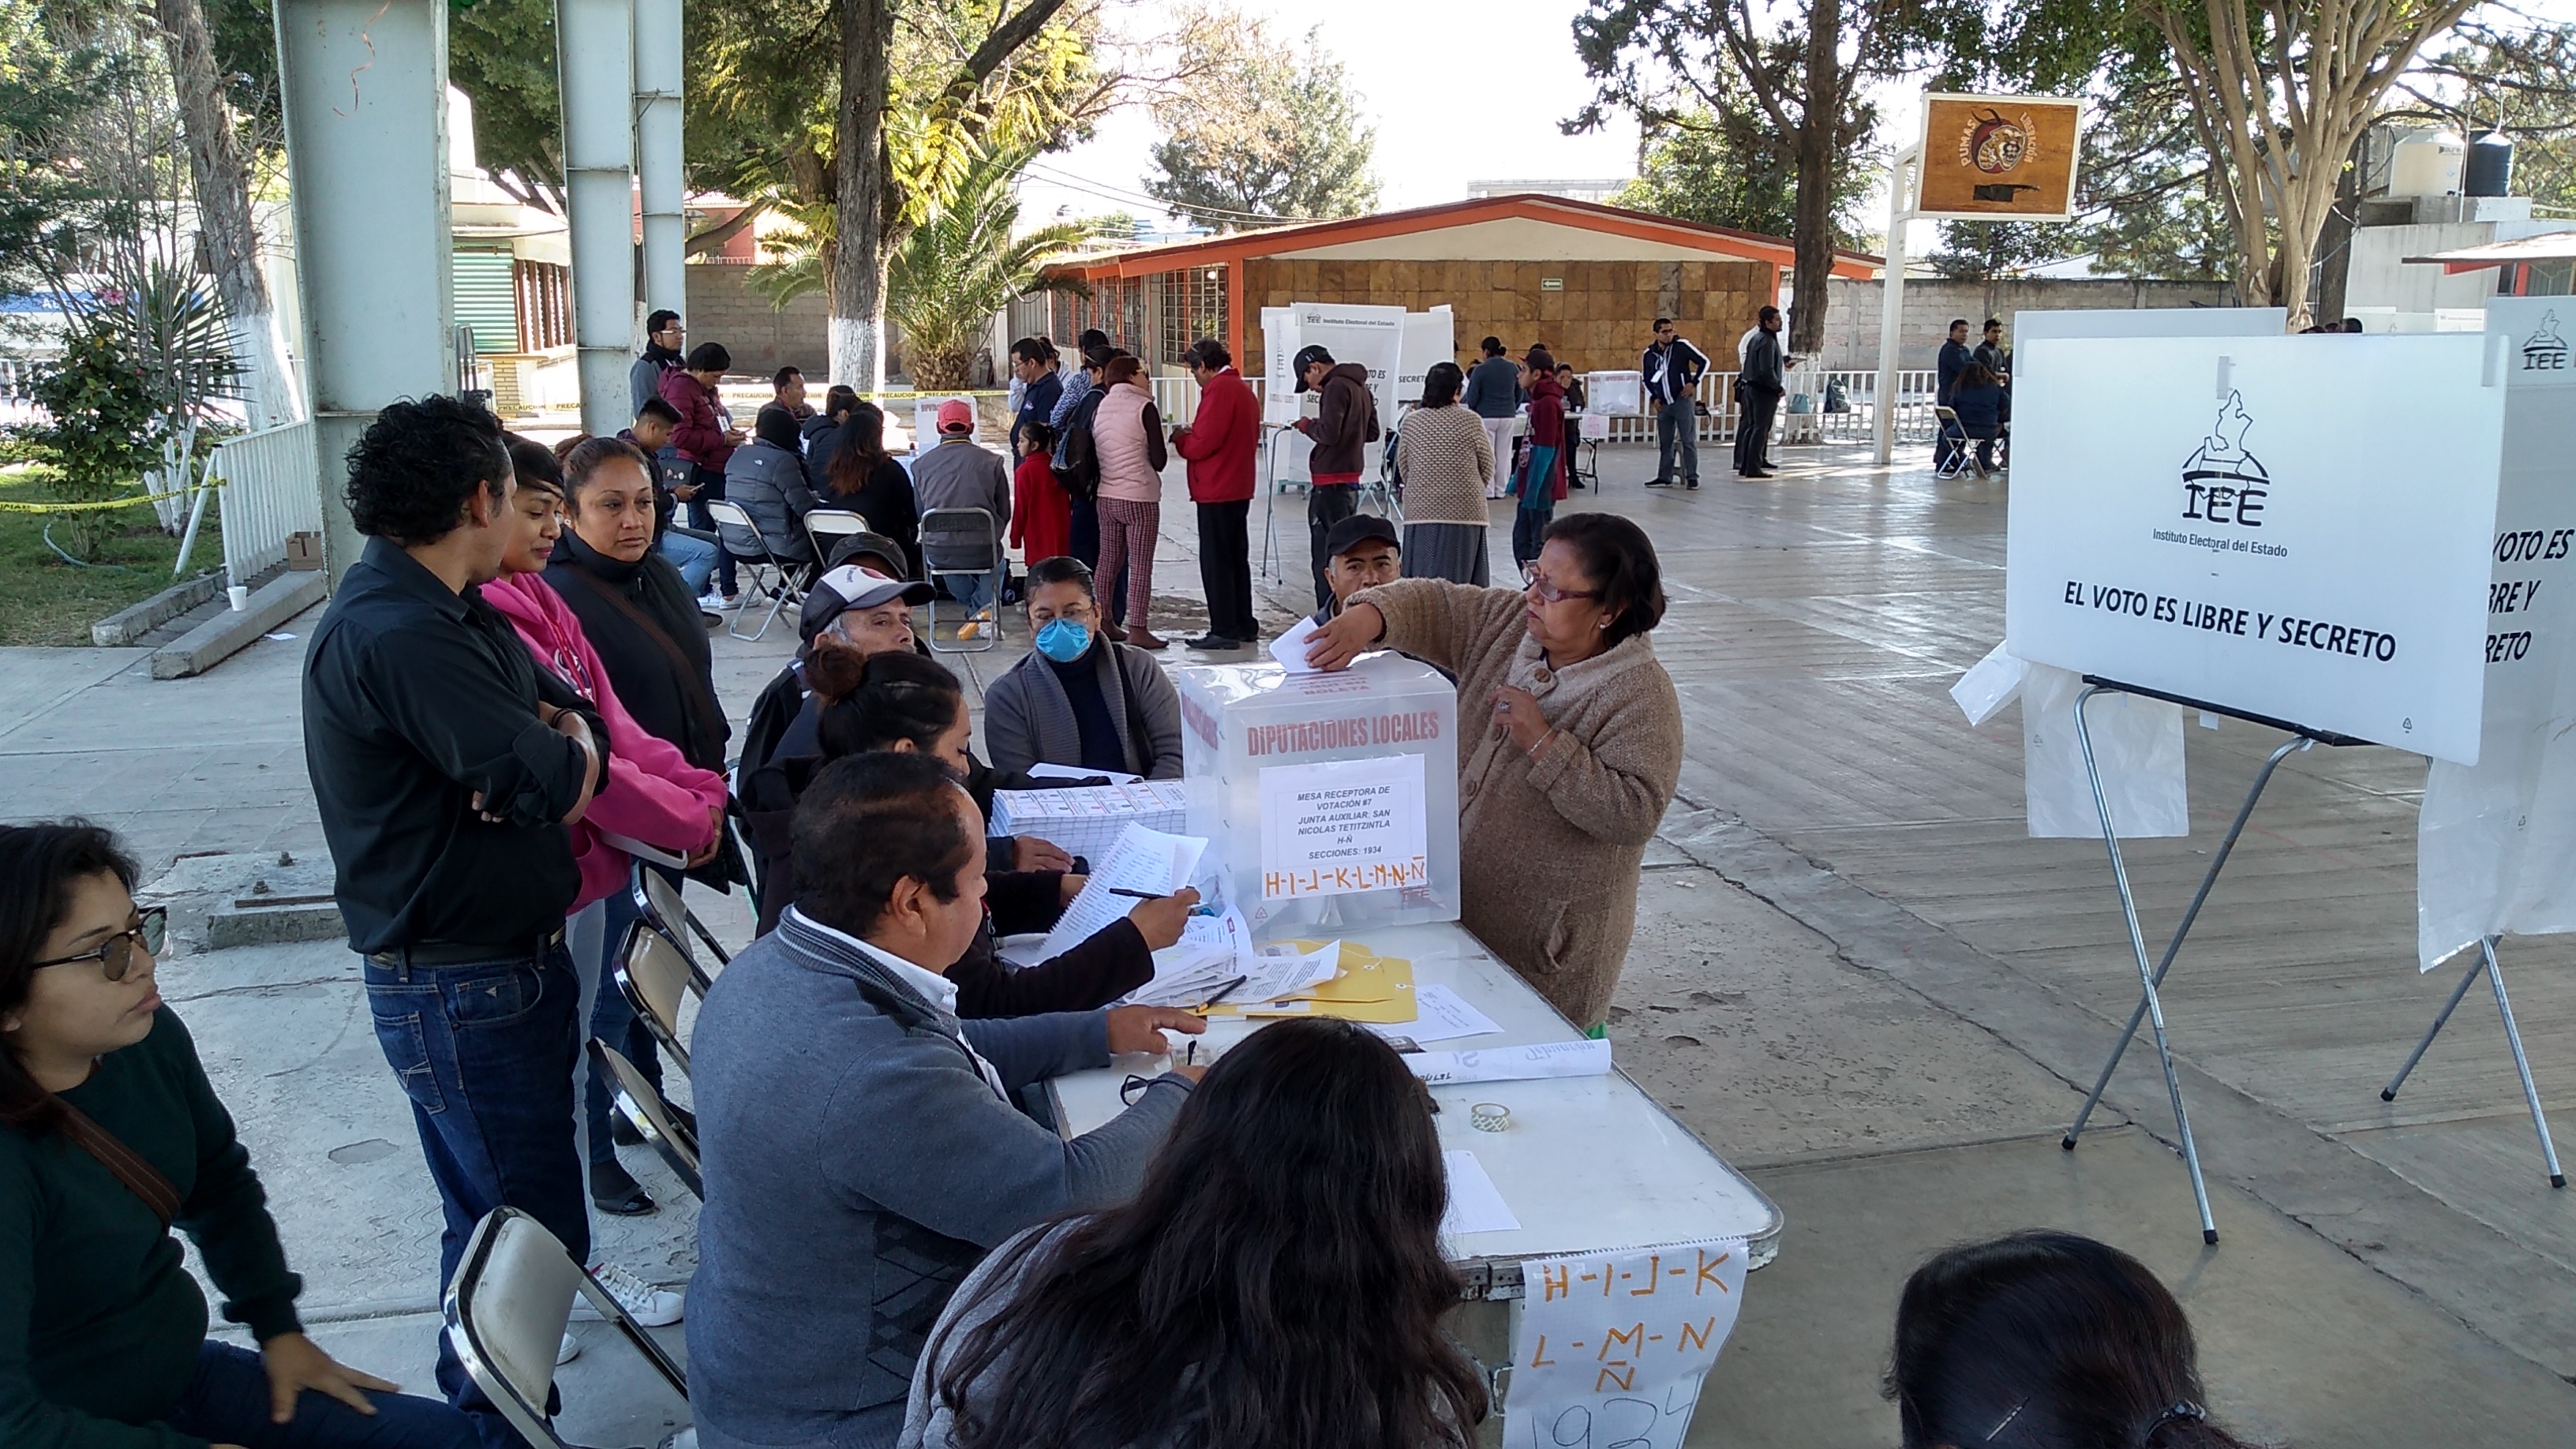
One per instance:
(207,487)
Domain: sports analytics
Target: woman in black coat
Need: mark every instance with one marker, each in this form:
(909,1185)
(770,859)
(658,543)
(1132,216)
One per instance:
(863,478)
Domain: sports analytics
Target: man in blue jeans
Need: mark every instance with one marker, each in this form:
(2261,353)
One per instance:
(1672,368)
(446,765)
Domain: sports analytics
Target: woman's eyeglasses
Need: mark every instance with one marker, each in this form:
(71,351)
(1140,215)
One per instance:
(1548,593)
(115,955)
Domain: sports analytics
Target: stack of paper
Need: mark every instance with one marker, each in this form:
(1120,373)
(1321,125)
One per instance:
(1210,958)
(1138,859)
(1086,819)
(1366,987)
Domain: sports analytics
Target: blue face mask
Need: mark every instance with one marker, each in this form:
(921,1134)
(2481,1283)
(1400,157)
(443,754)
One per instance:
(1064,641)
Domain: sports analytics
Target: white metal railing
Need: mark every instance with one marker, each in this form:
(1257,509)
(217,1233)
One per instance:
(1856,392)
(271,487)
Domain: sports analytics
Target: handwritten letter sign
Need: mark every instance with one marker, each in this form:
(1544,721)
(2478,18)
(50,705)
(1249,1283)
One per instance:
(1612,1346)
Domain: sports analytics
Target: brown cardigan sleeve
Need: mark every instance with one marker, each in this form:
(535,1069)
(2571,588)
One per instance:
(1615,787)
(1457,627)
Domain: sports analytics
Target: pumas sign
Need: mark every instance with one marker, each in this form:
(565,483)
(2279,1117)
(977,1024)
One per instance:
(2223,520)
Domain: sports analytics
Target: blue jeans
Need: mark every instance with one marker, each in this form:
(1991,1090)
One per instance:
(1677,430)
(227,1403)
(693,556)
(485,1050)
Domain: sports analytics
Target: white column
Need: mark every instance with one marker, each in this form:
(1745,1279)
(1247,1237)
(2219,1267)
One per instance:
(1891,301)
(595,66)
(363,84)
(657,153)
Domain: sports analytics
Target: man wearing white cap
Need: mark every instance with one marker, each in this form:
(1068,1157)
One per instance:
(958,473)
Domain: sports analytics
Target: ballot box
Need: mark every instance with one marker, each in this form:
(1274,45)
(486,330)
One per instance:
(1328,801)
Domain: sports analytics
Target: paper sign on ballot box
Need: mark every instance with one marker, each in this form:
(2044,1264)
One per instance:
(1341,826)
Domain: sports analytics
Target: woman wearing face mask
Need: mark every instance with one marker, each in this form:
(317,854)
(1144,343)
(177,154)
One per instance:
(1081,700)
(653,794)
(906,703)
(110,1135)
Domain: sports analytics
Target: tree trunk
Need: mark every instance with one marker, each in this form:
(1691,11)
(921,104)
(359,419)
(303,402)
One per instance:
(230,231)
(1813,218)
(859,253)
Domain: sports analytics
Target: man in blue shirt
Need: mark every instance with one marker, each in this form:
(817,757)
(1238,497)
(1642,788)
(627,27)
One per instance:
(1954,360)
(1672,369)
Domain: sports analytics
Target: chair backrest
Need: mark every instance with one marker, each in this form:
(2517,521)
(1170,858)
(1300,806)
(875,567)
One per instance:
(734,515)
(507,1310)
(1945,413)
(644,1106)
(834,523)
(960,541)
(659,902)
(653,974)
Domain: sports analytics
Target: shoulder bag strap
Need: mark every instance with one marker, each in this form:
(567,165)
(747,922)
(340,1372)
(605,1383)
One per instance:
(139,1176)
(690,695)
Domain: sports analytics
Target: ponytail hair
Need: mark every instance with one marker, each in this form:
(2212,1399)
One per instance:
(871,701)
(40,866)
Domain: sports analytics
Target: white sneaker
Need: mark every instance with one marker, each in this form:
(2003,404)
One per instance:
(650,1306)
(714,602)
(568,1350)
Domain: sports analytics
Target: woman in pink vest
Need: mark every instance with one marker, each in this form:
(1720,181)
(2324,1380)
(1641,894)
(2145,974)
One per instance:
(1128,433)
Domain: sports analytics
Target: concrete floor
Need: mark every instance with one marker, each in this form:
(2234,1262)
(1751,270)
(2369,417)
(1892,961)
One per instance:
(1854,976)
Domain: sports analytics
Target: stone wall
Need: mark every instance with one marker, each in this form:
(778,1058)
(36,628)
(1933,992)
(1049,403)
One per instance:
(1601,319)
(762,339)
(1851,310)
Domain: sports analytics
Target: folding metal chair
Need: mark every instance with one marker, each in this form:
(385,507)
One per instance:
(660,903)
(506,1313)
(962,543)
(1947,429)
(655,977)
(828,526)
(661,1126)
(788,585)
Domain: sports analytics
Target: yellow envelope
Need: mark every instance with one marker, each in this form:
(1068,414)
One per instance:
(1370,988)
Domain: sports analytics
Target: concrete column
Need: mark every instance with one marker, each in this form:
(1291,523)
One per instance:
(1891,300)
(364,87)
(595,67)
(657,153)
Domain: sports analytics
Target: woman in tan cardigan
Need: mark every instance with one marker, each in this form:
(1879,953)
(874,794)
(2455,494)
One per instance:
(1559,796)
(1446,460)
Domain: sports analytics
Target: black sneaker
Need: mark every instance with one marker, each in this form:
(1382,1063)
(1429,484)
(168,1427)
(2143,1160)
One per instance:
(1692,484)
(1659,482)
(1212,644)
(613,1190)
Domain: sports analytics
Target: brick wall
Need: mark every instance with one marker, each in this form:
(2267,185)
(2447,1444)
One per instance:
(1601,320)
(1851,310)
(722,308)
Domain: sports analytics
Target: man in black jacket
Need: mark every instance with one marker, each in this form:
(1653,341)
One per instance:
(445,765)
(1673,367)
(1345,423)
(1765,377)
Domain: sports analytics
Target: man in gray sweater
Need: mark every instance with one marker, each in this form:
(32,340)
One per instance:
(862,1146)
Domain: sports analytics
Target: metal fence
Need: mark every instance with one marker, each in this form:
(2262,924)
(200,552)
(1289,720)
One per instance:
(1841,407)
(271,488)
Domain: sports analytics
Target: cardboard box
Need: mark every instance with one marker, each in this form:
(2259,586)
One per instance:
(304,550)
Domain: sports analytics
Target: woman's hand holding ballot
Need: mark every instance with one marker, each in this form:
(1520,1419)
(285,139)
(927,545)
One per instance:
(1353,633)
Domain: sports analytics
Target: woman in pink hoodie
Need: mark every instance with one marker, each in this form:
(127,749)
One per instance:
(653,794)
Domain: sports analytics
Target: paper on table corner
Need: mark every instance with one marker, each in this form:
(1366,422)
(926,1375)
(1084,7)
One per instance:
(1475,1204)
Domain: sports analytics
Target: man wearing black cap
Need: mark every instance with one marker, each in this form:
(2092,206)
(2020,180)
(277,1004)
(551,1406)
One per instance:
(1345,423)
(1362,552)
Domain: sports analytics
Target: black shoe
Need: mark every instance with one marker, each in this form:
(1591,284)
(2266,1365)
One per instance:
(1659,482)
(1766,471)
(616,1192)
(1212,644)
(1693,483)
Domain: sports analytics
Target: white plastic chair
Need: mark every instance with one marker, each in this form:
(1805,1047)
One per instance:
(506,1313)
(783,579)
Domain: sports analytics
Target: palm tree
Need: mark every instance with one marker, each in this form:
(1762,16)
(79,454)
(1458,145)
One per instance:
(954,270)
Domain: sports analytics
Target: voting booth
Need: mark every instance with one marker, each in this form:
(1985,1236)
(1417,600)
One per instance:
(1330,801)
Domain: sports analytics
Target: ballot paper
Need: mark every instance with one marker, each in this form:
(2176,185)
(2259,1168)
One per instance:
(1475,1204)
(1279,971)
(1444,1015)
(1213,952)
(1290,647)
(1513,1064)
(1086,819)
(1141,860)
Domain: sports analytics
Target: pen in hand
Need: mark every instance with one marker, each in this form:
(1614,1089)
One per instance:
(1137,895)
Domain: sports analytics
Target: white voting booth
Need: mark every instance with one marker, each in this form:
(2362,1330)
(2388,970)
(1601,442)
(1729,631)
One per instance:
(1397,347)
(2221,523)
(1328,805)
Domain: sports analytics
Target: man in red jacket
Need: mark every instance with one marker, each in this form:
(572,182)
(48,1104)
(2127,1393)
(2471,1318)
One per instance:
(1219,444)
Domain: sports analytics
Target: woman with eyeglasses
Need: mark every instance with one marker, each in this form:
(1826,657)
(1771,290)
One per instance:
(1559,795)
(1276,1281)
(110,1136)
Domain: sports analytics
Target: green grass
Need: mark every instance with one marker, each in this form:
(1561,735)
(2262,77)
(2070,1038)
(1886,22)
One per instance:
(44,600)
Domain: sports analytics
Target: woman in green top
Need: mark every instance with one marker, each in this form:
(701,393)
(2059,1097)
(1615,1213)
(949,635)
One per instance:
(102,1331)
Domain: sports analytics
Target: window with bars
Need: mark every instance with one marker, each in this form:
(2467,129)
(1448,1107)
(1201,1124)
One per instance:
(1189,305)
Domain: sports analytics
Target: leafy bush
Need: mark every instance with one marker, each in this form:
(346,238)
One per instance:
(103,415)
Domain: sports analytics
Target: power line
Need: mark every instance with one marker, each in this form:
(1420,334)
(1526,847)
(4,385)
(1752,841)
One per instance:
(1108,192)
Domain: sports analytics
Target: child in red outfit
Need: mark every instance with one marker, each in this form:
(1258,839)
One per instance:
(1041,511)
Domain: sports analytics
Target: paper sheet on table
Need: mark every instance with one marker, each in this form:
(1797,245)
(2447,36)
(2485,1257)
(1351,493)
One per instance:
(1290,647)
(1212,952)
(1513,1064)
(1444,1015)
(1142,860)
(1475,1204)
(1050,770)
(1610,1348)
(1371,988)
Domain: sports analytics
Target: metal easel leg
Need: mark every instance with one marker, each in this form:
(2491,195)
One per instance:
(2468,979)
(2208,878)
(2521,1063)
(2146,973)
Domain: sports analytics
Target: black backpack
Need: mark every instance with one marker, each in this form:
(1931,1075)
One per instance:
(1080,474)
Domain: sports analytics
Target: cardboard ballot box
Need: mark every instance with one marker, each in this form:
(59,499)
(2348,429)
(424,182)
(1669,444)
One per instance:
(1329,801)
